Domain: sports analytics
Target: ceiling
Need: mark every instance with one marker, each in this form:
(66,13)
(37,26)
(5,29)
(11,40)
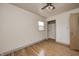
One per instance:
(36,8)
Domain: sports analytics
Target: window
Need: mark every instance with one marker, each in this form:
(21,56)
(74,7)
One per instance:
(40,25)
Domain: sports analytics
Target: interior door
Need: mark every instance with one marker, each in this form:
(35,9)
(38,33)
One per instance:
(74,31)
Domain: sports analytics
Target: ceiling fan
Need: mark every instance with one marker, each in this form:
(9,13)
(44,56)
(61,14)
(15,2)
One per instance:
(48,6)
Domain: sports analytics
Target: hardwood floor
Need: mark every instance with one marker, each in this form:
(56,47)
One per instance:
(47,48)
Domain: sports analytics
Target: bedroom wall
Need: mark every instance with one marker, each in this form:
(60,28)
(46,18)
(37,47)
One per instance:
(18,28)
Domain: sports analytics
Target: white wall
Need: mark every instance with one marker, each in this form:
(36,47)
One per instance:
(62,26)
(18,28)
(52,30)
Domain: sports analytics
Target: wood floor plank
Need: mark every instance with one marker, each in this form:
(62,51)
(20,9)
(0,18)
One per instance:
(48,48)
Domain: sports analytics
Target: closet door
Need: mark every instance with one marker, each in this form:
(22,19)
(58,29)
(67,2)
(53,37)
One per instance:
(74,31)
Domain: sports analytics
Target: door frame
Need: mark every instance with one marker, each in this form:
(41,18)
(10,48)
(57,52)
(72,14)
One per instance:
(47,27)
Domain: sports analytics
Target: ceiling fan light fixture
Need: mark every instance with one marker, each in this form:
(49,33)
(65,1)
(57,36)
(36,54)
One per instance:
(49,8)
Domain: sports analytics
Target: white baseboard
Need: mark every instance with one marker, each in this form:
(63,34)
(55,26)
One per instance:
(8,52)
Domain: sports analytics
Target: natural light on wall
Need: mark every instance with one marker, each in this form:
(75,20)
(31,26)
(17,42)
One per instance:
(40,25)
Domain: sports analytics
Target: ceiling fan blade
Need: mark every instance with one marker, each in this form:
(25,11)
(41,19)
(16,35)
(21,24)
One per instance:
(45,6)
